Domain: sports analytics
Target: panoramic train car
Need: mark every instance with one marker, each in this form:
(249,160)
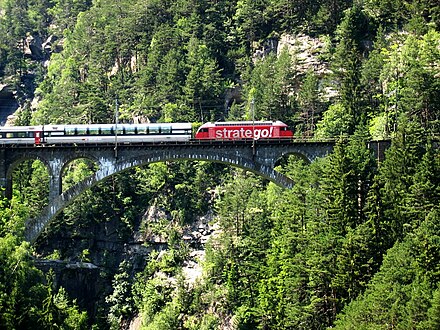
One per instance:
(95,133)
(21,134)
(240,130)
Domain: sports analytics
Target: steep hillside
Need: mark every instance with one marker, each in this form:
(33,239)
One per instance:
(320,255)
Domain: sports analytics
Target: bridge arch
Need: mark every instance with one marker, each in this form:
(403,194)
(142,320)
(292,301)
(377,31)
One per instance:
(109,166)
(16,162)
(285,155)
(69,160)
(83,155)
(237,161)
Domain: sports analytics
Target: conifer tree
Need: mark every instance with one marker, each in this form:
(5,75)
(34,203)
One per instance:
(371,89)
(309,102)
(348,63)
(424,193)
(283,292)
(272,85)
(433,314)
(203,84)
(396,177)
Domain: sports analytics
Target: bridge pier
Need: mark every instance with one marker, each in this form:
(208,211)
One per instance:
(379,147)
(3,172)
(55,181)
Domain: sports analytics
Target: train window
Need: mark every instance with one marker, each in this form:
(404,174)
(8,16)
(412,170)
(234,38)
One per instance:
(19,134)
(130,130)
(203,130)
(154,130)
(142,129)
(69,130)
(119,130)
(94,131)
(81,131)
(166,129)
(106,130)
(54,133)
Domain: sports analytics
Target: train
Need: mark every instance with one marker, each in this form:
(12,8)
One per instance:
(143,133)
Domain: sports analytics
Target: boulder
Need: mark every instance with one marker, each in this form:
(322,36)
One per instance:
(34,48)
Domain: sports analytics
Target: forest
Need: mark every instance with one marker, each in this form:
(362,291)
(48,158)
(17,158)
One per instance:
(355,244)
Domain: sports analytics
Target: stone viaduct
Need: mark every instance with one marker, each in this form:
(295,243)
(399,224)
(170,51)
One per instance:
(257,156)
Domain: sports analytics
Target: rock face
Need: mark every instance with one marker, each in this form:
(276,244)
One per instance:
(307,51)
(80,278)
(19,94)
(34,48)
(8,103)
(38,50)
(107,244)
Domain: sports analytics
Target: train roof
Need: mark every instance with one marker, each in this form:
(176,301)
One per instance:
(245,123)
(20,128)
(62,126)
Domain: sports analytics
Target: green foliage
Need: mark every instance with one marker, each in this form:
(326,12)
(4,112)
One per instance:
(402,12)
(401,293)
(319,255)
(30,185)
(411,86)
(171,303)
(336,121)
(396,177)
(120,301)
(73,318)
(77,171)
(432,321)
(25,302)
(378,127)
(309,102)
(18,278)
(347,61)
(58,312)
(203,83)
(271,87)
(153,295)
(282,259)
(65,12)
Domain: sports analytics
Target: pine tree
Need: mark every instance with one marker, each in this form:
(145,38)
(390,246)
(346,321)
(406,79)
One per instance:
(340,189)
(309,102)
(424,193)
(203,84)
(396,177)
(281,291)
(347,63)
(433,313)
(401,294)
(271,87)
(371,89)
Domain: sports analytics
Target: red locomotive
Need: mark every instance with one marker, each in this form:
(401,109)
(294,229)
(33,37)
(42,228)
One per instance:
(242,130)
